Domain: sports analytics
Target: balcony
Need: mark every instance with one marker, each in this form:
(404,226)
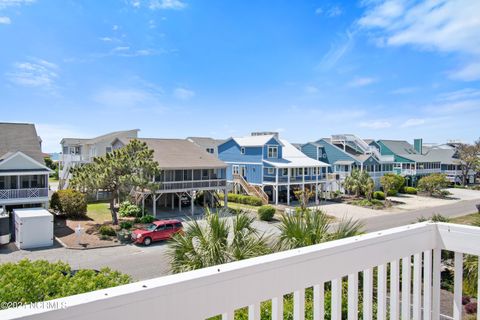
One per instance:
(193,185)
(295,179)
(408,258)
(31,195)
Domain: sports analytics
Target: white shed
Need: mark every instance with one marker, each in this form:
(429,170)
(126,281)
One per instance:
(33,228)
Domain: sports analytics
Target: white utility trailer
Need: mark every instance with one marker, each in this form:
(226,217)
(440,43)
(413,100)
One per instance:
(33,228)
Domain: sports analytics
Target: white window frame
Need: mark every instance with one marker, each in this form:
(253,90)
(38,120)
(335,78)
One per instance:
(210,150)
(235,169)
(242,150)
(272,148)
(270,170)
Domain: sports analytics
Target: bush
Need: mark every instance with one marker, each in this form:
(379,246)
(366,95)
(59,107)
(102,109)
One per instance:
(107,231)
(243,199)
(433,184)
(410,190)
(35,281)
(266,213)
(379,195)
(392,193)
(465,300)
(126,225)
(147,219)
(71,203)
(128,209)
(369,203)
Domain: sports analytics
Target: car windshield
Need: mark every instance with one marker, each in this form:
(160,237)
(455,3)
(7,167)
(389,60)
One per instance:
(151,227)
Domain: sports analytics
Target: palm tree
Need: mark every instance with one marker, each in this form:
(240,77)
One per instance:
(360,183)
(309,227)
(216,241)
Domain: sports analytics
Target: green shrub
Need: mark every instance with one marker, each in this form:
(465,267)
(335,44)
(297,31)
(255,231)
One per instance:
(369,203)
(147,219)
(392,193)
(71,203)
(128,209)
(410,190)
(107,231)
(433,184)
(266,213)
(126,225)
(243,199)
(379,195)
(35,281)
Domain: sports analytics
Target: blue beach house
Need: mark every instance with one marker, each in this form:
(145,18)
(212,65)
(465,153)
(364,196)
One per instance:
(271,168)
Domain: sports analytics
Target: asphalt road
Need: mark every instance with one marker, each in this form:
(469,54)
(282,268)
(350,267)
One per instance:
(149,262)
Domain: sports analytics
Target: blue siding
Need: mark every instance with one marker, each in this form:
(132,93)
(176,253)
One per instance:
(331,154)
(253,172)
(229,151)
(310,150)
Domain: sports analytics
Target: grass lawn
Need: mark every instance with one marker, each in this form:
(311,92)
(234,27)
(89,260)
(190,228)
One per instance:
(99,212)
(234,205)
(469,219)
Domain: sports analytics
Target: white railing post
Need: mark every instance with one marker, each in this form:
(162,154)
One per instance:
(427,285)
(458,286)
(394,290)
(353,296)
(381,292)
(367,294)
(437,265)
(299,304)
(254,312)
(406,288)
(417,288)
(277,308)
(319,301)
(337,299)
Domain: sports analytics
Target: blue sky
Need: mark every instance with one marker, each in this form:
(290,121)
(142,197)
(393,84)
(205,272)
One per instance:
(176,68)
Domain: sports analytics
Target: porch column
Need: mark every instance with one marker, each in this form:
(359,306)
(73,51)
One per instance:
(192,206)
(179,202)
(154,204)
(225,198)
(173,201)
(303,179)
(288,185)
(143,204)
(316,186)
(276,186)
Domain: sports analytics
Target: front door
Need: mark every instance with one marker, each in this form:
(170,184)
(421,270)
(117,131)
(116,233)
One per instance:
(243,171)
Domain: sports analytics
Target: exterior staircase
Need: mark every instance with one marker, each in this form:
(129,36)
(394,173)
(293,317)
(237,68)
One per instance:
(251,190)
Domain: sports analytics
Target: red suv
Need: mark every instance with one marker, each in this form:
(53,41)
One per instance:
(158,230)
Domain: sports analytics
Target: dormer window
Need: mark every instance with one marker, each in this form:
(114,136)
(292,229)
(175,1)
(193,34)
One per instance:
(272,151)
(242,150)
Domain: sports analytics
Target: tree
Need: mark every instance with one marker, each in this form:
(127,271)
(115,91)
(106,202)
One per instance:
(433,184)
(468,159)
(359,182)
(388,183)
(309,227)
(303,196)
(216,241)
(118,172)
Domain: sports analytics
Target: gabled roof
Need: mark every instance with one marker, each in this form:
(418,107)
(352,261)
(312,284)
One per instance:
(206,142)
(399,147)
(109,136)
(20,137)
(445,156)
(181,154)
(255,141)
(294,158)
(12,162)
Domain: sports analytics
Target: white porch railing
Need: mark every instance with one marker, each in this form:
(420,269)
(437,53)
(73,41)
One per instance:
(7,194)
(409,255)
(198,184)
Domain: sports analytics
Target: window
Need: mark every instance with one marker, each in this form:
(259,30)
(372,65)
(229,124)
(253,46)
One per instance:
(161,227)
(272,151)
(305,171)
(242,150)
(300,171)
(210,150)
(108,149)
(270,171)
(235,169)
(169,226)
(285,172)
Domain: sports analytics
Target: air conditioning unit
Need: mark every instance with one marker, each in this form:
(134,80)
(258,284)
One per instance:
(4,227)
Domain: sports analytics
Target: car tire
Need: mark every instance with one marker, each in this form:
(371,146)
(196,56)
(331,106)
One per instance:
(147,241)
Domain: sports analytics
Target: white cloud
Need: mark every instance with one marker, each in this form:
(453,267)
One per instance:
(14,3)
(445,26)
(318,11)
(470,72)
(337,51)
(5,20)
(334,11)
(404,90)
(311,89)
(467,93)
(376,124)
(361,82)
(166,4)
(412,123)
(183,94)
(34,73)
